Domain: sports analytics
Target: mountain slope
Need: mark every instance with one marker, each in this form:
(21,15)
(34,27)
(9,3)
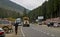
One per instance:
(7,4)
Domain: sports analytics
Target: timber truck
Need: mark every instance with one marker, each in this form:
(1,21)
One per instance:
(26,22)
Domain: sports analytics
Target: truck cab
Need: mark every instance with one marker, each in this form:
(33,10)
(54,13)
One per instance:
(6,25)
(18,20)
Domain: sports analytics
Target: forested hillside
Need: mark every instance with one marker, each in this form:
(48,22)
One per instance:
(49,9)
(11,9)
(4,13)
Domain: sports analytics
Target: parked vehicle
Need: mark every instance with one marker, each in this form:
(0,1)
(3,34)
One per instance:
(53,24)
(50,24)
(56,24)
(2,33)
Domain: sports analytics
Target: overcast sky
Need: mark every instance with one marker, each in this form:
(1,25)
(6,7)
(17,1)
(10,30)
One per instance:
(29,4)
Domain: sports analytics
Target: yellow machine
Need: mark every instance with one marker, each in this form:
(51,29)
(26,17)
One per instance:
(6,25)
(26,21)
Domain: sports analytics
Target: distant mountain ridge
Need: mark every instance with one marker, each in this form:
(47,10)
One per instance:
(7,4)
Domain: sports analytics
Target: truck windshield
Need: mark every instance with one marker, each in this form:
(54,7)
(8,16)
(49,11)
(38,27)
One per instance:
(4,22)
(0,22)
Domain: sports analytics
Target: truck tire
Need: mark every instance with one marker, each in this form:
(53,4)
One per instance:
(28,25)
(6,29)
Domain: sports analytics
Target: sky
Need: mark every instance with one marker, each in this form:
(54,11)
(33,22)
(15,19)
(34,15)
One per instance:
(29,4)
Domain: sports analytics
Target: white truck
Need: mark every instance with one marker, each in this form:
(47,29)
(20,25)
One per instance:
(40,18)
(18,20)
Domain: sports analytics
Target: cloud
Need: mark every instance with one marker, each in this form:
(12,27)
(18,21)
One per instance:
(29,4)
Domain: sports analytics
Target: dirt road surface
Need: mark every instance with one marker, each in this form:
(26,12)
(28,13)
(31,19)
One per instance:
(13,33)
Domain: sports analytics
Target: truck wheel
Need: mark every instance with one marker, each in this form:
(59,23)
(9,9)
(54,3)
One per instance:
(6,29)
(28,25)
